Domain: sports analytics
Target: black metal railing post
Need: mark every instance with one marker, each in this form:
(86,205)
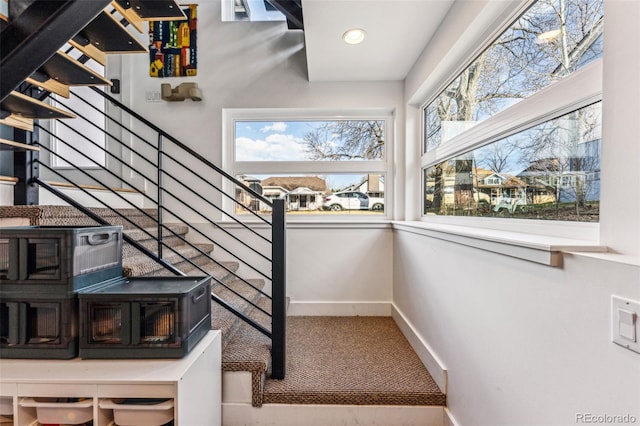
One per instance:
(279,293)
(160,193)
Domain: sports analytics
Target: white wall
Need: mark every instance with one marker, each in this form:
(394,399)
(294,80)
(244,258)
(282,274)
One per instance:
(523,344)
(345,271)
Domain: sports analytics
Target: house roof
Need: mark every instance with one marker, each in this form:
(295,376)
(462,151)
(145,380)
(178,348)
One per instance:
(290,183)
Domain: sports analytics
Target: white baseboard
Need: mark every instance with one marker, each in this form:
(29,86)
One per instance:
(340,309)
(449,420)
(426,354)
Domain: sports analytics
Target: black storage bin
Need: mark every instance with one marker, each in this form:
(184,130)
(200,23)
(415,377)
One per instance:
(155,317)
(60,260)
(38,327)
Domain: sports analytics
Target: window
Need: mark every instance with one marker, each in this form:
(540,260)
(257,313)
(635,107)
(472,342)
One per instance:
(550,171)
(318,164)
(542,77)
(89,137)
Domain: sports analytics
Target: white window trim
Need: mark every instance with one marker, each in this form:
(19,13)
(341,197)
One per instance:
(575,91)
(582,88)
(234,168)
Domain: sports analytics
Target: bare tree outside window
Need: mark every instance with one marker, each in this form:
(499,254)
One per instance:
(557,162)
(551,40)
(550,171)
(346,140)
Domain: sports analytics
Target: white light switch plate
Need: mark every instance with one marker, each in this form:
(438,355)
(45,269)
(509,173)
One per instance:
(625,323)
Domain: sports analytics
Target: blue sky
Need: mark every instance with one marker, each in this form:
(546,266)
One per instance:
(281,141)
(272,140)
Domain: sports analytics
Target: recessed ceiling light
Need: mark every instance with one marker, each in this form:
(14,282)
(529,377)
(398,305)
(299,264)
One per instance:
(354,36)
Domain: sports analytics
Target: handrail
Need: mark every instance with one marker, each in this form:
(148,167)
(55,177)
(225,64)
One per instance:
(142,229)
(167,155)
(155,156)
(101,221)
(277,224)
(183,146)
(146,195)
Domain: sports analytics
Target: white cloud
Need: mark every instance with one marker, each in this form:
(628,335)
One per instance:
(275,127)
(275,147)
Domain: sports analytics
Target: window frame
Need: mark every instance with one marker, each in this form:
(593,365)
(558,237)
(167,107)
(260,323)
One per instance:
(577,90)
(55,128)
(309,167)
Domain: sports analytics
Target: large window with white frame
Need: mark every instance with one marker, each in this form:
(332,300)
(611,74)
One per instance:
(325,164)
(517,132)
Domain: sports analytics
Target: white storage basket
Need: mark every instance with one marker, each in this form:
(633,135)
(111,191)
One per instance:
(68,413)
(148,413)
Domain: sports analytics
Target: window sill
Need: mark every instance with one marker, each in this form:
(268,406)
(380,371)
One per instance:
(316,224)
(546,250)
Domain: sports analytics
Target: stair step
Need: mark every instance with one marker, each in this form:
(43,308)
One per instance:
(8,145)
(28,107)
(66,70)
(141,265)
(50,85)
(223,319)
(351,361)
(108,35)
(128,14)
(68,215)
(18,122)
(157,10)
(151,233)
(152,245)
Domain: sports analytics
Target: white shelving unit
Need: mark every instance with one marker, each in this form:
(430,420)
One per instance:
(193,383)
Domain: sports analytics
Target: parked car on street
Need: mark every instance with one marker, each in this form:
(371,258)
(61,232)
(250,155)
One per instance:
(352,200)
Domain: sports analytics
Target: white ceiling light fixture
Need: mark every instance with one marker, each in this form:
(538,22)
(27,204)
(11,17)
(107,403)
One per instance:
(354,36)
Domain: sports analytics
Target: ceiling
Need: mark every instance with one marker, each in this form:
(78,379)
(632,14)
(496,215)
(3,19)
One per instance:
(397,32)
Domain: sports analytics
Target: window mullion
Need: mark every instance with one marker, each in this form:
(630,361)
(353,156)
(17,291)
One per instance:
(575,91)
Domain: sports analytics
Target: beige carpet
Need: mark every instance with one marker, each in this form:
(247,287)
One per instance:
(352,361)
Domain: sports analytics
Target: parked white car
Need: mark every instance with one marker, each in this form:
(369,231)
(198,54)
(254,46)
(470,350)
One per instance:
(352,200)
(509,204)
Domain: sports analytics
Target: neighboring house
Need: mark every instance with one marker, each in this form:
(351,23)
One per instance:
(301,192)
(577,177)
(502,185)
(245,198)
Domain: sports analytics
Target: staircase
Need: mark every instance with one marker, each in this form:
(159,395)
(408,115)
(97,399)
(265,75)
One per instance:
(243,252)
(243,348)
(45,46)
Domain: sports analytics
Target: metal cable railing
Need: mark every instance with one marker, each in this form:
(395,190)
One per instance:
(160,162)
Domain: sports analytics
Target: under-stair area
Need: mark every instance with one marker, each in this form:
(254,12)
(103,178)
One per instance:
(173,205)
(339,369)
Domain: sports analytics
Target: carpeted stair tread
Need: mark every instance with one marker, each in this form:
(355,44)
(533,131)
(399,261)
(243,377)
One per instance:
(52,215)
(140,265)
(224,320)
(67,215)
(249,350)
(150,233)
(144,238)
(351,361)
